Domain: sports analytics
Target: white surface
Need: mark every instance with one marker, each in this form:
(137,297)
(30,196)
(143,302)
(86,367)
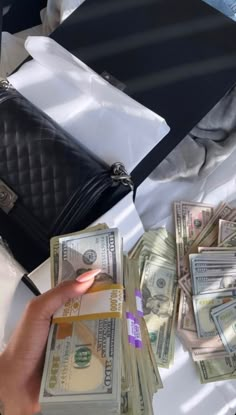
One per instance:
(107,121)
(218,186)
(184,395)
(10,275)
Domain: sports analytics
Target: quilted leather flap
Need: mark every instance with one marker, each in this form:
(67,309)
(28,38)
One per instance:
(39,161)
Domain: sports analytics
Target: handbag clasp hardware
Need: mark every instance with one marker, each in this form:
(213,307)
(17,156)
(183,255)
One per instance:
(7,197)
(121,175)
(4,83)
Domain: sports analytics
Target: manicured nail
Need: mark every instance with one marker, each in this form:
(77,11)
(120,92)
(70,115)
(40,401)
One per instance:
(89,275)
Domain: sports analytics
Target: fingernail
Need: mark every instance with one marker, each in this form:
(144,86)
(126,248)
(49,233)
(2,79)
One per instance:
(87,276)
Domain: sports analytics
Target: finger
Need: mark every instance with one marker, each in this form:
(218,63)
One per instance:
(45,305)
(87,276)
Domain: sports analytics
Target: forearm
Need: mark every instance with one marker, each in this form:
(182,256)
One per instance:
(8,398)
(2,410)
(3,382)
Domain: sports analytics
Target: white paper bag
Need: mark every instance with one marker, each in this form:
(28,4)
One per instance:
(106,120)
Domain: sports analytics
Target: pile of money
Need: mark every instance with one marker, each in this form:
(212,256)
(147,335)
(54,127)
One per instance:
(156,255)
(102,365)
(206,268)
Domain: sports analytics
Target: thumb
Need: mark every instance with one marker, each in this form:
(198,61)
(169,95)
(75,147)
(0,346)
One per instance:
(46,304)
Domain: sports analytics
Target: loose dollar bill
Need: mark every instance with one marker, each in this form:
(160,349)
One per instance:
(230,241)
(156,242)
(226,229)
(190,220)
(215,370)
(159,287)
(213,271)
(187,331)
(195,217)
(224,318)
(207,353)
(203,305)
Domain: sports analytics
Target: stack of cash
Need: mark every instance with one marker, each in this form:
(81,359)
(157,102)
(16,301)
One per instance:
(156,253)
(206,257)
(140,377)
(101,365)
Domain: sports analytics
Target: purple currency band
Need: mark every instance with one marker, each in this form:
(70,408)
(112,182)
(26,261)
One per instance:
(138,337)
(139,303)
(131,328)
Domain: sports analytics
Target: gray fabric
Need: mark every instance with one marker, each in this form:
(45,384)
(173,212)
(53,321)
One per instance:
(209,143)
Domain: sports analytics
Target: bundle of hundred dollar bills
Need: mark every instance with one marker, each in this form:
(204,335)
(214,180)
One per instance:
(206,268)
(104,348)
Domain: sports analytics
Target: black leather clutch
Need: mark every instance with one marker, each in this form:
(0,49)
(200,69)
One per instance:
(50,184)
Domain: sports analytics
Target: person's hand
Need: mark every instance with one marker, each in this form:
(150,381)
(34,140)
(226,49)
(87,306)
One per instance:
(22,361)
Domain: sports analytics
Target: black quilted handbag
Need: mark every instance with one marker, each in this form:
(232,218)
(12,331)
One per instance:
(50,184)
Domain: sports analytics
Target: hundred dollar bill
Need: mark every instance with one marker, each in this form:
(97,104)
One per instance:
(203,306)
(212,263)
(206,284)
(92,250)
(159,287)
(217,369)
(54,250)
(226,228)
(224,318)
(215,250)
(82,365)
(212,271)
